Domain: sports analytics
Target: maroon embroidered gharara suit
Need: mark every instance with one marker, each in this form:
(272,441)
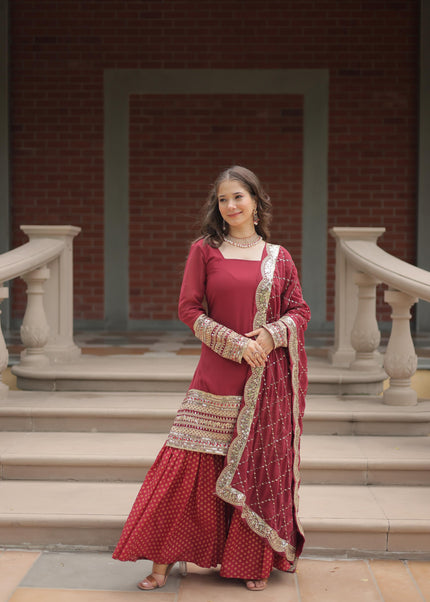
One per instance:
(224,487)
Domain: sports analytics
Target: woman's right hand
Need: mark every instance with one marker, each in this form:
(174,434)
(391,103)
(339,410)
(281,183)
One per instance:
(254,354)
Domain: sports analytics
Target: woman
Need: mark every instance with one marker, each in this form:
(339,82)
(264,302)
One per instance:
(224,488)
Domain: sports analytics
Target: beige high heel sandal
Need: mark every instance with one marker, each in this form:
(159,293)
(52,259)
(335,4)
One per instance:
(150,582)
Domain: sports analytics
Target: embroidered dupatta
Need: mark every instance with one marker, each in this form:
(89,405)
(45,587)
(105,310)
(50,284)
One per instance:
(261,475)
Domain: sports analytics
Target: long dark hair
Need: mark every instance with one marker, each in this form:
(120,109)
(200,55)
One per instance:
(213,229)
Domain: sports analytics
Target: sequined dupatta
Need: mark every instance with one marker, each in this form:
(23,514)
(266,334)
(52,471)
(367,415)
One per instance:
(261,476)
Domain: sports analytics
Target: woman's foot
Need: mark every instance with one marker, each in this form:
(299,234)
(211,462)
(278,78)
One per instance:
(256,585)
(159,575)
(157,578)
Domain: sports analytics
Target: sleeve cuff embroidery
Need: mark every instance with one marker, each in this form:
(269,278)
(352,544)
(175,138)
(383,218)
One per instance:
(225,342)
(279,333)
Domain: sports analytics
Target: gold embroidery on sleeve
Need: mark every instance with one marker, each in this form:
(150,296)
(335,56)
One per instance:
(225,342)
(278,332)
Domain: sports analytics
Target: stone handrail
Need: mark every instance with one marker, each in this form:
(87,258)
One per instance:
(400,275)
(46,265)
(30,256)
(361,263)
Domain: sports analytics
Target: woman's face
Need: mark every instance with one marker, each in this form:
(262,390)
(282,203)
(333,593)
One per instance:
(236,205)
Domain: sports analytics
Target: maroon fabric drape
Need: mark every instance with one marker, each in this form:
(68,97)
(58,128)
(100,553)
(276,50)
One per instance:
(262,472)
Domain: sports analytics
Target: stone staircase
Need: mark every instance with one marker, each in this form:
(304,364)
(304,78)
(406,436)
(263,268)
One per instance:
(71,462)
(77,440)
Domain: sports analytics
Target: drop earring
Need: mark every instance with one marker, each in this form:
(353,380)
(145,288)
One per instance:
(224,226)
(256,218)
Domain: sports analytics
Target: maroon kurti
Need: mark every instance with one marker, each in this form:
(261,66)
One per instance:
(176,515)
(228,287)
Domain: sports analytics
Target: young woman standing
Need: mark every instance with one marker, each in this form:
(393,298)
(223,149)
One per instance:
(224,487)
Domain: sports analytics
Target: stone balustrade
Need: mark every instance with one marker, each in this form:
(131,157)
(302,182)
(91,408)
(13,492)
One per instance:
(360,266)
(46,265)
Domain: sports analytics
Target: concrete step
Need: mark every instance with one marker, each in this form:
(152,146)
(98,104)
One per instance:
(347,520)
(154,412)
(364,415)
(365,460)
(170,372)
(128,456)
(89,411)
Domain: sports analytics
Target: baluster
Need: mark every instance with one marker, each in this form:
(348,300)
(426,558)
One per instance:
(4,356)
(58,294)
(35,328)
(400,359)
(365,335)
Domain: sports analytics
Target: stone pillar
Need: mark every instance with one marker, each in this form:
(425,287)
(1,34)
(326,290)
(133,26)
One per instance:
(365,335)
(59,294)
(342,353)
(400,359)
(35,327)
(4,356)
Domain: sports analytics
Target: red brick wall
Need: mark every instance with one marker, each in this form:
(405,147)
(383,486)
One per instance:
(60,49)
(177,144)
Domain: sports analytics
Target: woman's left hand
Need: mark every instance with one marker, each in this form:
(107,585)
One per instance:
(263,338)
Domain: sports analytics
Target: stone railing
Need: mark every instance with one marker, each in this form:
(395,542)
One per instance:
(46,265)
(360,266)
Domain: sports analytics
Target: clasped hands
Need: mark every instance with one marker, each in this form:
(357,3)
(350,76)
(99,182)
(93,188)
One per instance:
(258,348)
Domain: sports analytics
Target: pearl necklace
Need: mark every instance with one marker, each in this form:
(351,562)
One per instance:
(243,243)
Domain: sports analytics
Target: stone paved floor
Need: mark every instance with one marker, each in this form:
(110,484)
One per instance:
(95,577)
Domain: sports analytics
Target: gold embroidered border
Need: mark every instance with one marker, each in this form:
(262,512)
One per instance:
(205,422)
(278,333)
(225,342)
(294,356)
(224,488)
(262,295)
